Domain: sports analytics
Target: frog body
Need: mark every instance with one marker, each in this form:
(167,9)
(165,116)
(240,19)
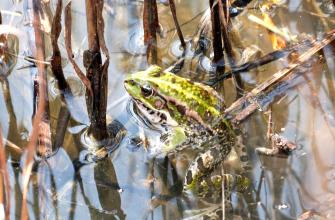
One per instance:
(190,113)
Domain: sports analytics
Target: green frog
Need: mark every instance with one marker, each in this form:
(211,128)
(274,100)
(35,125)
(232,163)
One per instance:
(188,114)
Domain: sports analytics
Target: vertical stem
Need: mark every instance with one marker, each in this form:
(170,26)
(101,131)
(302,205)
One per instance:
(216,33)
(175,19)
(96,104)
(4,183)
(62,122)
(44,147)
(227,45)
(223,204)
(40,112)
(56,60)
(92,32)
(150,26)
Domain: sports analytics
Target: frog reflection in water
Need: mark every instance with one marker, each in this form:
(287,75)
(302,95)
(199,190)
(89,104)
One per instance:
(188,114)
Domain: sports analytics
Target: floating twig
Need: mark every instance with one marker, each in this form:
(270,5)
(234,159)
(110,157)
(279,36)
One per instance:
(247,104)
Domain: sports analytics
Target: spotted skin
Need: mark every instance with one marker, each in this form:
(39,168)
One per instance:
(187,113)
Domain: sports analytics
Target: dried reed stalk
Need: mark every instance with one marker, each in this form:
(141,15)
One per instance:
(39,114)
(95,72)
(56,59)
(224,19)
(176,23)
(151,27)
(68,46)
(5,197)
(217,36)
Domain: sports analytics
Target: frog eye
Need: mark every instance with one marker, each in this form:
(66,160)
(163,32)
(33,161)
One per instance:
(146,90)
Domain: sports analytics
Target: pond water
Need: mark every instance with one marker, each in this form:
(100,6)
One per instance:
(131,185)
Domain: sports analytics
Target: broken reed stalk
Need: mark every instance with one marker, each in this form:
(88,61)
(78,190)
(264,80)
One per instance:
(176,23)
(97,102)
(56,59)
(40,112)
(217,37)
(247,104)
(151,27)
(4,183)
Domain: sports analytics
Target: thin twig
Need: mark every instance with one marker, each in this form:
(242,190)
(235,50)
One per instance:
(12,146)
(227,45)
(248,103)
(68,45)
(176,23)
(56,60)
(270,57)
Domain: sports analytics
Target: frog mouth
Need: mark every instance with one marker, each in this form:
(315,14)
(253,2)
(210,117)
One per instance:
(150,115)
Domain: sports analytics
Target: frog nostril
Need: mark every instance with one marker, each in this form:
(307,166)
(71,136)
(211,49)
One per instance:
(131,82)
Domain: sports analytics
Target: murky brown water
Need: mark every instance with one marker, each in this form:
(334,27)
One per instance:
(129,184)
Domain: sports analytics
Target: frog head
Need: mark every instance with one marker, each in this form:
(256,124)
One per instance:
(165,98)
(147,90)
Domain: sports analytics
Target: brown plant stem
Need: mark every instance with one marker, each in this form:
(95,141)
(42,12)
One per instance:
(56,59)
(224,17)
(97,103)
(39,114)
(176,23)
(4,183)
(68,45)
(217,39)
(151,27)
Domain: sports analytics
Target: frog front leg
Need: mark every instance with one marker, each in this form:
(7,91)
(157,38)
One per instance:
(173,138)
